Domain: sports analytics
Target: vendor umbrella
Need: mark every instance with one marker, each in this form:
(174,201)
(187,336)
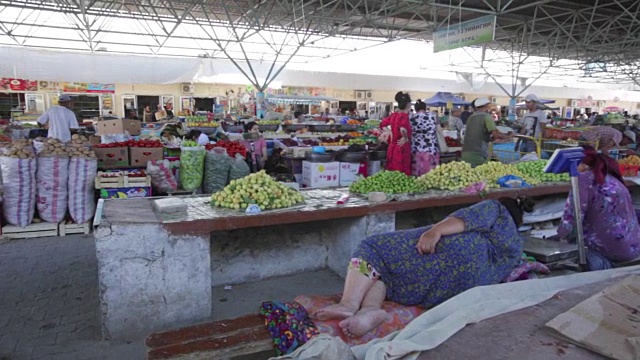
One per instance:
(444,98)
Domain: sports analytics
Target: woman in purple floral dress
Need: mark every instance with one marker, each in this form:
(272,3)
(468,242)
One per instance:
(610,226)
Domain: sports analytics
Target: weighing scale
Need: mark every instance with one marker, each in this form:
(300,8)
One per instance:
(567,160)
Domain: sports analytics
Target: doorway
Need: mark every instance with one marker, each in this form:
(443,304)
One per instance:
(146,100)
(203,104)
(347,106)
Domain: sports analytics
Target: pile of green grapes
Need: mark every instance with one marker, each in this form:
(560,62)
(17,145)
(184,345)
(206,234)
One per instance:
(493,170)
(535,169)
(388,182)
(258,188)
(450,176)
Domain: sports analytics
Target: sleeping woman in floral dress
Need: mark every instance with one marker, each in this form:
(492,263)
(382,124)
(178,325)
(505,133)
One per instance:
(474,246)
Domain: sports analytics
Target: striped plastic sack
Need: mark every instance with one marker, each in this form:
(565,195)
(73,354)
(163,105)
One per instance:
(82,173)
(19,185)
(52,195)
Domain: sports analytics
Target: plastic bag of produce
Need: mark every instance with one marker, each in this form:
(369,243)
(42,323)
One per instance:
(512,181)
(239,168)
(51,193)
(162,178)
(216,170)
(82,172)
(191,167)
(19,185)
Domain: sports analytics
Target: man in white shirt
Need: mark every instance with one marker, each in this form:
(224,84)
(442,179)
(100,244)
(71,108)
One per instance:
(59,119)
(534,122)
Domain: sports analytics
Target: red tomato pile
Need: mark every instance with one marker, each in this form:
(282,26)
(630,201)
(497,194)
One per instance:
(451,142)
(145,143)
(111,145)
(232,147)
(132,143)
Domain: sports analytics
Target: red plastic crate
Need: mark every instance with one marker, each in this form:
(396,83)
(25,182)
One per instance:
(629,170)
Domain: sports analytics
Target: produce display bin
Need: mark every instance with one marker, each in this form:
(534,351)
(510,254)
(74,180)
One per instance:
(119,179)
(112,157)
(118,126)
(629,170)
(139,156)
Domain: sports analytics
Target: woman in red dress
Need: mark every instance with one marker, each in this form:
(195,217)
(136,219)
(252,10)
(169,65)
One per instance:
(399,128)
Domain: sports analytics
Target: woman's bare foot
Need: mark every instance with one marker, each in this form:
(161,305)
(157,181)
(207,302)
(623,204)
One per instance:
(363,321)
(334,312)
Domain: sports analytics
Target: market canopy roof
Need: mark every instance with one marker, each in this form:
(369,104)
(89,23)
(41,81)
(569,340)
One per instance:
(444,98)
(594,39)
(298,99)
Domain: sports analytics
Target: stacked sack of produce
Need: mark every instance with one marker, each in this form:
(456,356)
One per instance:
(225,161)
(52,177)
(83,168)
(191,165)
(19,166)
(60,178)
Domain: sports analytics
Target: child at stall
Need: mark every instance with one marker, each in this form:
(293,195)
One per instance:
(256,146)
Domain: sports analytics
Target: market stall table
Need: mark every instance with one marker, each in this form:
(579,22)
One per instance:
(156,270)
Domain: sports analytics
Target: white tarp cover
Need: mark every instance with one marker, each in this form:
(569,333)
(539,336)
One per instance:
(440,323)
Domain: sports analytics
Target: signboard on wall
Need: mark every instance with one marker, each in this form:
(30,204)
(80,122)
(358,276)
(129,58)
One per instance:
(80,87)
(467,33)
(9,84)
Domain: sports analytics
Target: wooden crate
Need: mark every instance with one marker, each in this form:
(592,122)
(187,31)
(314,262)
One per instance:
(69,227)
(121,181)
(34,230)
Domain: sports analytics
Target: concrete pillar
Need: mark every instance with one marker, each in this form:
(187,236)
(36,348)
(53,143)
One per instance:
(149,280)
(344,236)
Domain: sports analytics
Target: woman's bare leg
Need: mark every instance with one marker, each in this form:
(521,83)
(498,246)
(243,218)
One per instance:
(356,286)
(370,315)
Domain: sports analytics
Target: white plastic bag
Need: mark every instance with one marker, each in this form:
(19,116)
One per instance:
(216,170)
(52,195)
(162,177)
(82,173)
(19,185)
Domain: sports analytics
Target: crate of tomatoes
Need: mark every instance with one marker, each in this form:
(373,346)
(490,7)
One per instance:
(232,147)
(143,151)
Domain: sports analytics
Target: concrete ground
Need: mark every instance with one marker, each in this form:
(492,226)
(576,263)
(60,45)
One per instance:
(49,300)
(49,310)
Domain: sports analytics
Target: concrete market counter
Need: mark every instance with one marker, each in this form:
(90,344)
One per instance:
(156,271)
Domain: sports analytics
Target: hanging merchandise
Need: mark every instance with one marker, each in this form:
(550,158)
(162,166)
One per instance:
(52,179)
(82,172)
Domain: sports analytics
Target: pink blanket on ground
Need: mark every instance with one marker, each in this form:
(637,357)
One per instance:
(400,316)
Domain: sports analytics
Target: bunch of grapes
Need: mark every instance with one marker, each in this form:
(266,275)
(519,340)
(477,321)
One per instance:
(535,169)
(450,176)
(258,188)
(388,182)
(492,171)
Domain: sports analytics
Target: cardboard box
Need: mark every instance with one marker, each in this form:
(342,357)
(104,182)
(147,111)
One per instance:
(125,193)
(95,140)
(139,156)
(118,126)
(348,173)
(109,158)
(320,175)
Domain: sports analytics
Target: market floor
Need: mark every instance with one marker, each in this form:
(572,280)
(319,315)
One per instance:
(49,300)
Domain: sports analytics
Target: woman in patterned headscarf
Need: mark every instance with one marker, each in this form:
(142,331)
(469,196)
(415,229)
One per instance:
(610,224)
